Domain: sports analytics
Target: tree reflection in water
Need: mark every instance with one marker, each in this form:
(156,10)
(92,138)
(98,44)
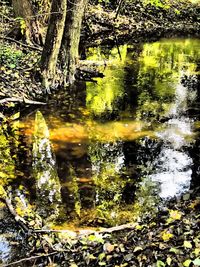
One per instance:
(44,170)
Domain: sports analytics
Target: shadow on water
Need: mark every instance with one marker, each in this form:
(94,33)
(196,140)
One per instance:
(108,153)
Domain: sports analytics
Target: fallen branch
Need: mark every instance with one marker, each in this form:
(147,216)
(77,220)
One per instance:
(29,259)
(20,43)
(119,228)
(88,75)
(21,100)
(89,232)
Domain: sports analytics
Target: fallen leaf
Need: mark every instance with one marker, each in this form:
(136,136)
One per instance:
(187,263)
(128,257)
(102,263)
(160,264)
(169,260)
(196,262)
(166,235)
(108,247)
(174,250)
(101,256)
(187,244)
(137,249)
(197,251)
(174,215)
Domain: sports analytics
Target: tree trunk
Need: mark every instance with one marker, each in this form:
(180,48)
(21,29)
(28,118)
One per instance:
(53,42)
(29,25)
(71,38)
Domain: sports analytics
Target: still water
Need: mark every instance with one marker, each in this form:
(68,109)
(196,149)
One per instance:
(113,151)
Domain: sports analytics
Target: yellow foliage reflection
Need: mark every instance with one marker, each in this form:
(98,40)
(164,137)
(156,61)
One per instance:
(97,168)
(162,65)
(102,97)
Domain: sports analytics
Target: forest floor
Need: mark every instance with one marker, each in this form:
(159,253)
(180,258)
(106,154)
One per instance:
(137,22)
(172,238)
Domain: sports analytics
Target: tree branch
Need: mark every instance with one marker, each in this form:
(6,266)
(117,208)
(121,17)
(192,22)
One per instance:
(37,48)
(30,258)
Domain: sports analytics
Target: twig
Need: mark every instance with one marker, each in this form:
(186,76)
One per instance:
(116,41)
(30,258)
(20,43)
(17,218)
(6,17)
(21,100)
(118,8)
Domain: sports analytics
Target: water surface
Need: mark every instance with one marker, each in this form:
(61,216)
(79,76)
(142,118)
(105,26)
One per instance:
(110,152)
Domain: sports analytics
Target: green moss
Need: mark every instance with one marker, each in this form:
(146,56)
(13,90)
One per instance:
(9,56)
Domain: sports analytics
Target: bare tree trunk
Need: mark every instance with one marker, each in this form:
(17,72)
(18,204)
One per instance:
(53,42)
(62,39)
(29,25)
(71,38)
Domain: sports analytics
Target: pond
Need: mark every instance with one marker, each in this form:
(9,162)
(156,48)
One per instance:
(108,152)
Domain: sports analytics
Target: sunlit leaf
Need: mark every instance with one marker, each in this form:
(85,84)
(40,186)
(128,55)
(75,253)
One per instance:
(187,244)
(137,249)
(187,263)
(92,257)
(175,214)
(101,256)
(102,263)
(166,235)
(197,251)
(2,192)
(169,261)
(160,264)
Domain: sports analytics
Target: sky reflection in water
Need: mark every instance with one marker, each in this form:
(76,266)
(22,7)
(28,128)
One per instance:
(173,168)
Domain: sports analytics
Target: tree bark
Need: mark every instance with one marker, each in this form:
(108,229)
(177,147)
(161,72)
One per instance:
(53,42)
(29,25)
(62,40)
(71,38)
